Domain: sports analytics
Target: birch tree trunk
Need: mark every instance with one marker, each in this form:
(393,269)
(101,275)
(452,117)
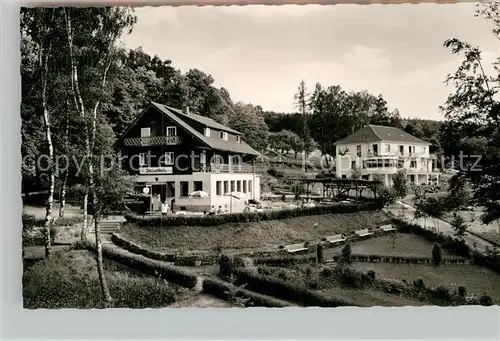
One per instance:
(100,268)
(50,150)
(66,172)
(80,107)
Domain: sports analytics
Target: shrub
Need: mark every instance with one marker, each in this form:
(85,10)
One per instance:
(283,197)
(462,291)
(215,220)
(419,283)
(226,266)
(372,275)
(441,293)
(346,253)
(284,260)
(436,254)
(223,289)
(326,272)
(137,249)
(319,253)
(283,275)
(485,300)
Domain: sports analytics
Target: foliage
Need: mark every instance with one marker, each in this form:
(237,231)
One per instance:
(222,289)
(459,225)
(226,266)
(68,281)
(346,253)
(319,253)
(386,196)
(473,118)
(290,292)
(436,254)
(399,184)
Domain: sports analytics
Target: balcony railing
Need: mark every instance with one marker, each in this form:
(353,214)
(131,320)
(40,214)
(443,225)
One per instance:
(223,168)
(152,141)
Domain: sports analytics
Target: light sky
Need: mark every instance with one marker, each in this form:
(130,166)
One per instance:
(261,53)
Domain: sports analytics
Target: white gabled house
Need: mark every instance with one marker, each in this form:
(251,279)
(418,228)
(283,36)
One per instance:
(379,152)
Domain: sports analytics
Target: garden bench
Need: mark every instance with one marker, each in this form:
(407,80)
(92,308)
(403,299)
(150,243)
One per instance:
(294,248)
(363,233)
(387,228)
(335,239)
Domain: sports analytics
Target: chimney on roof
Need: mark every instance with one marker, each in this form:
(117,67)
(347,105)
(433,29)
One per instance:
(187,110)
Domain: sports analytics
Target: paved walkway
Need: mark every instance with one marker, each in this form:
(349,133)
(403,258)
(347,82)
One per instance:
(442,226)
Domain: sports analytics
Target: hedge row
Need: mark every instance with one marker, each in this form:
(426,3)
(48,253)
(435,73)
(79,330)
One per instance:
(186,260)
(30,221)
(454,245)
(283,290)
(150,266)
(215,220)
(398,259)
(221,289)
(284,260)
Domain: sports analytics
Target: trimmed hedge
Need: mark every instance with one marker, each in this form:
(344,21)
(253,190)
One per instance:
(398,259)
(134,248)
(454,245)
(220,289)
(150,266)
(284,260)
(185,260)
(280,289)
(215,220)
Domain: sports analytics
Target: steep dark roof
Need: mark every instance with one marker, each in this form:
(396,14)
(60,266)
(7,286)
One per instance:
(203,120)
(372,133)
(179,117)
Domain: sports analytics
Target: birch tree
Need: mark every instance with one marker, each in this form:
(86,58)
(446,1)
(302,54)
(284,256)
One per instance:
(92,33)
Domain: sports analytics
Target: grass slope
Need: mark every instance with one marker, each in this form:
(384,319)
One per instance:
(69,280)
(261,235)
(477,279)
(408,245)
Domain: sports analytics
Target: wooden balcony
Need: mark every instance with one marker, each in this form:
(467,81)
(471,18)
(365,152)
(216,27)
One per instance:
(152,141)
(223,168)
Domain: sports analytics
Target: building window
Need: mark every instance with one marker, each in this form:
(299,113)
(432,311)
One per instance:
(387,147)
(249,186)
(226,187)
(207,132)
(238,186)
(223,135)
(203,158)
(218,188)
(145,132)
(412,178)
(167,159)
(198,185)
(423,150)
(170,189)
(184,188)
(344,176)
(358,151)
(402,150)
(142,160)
(238,139)
(353,164)
(171,131)
(244,186)
(232,186)
(413,164)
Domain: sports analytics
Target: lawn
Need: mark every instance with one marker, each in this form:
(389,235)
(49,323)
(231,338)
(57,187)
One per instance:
(250,236)
(478,280)
(69,280)
(404,245)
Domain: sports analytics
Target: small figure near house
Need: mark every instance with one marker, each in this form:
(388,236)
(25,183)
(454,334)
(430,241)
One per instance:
(212,211)
(172,205)
(220,210)
(164,208)
(226,210)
